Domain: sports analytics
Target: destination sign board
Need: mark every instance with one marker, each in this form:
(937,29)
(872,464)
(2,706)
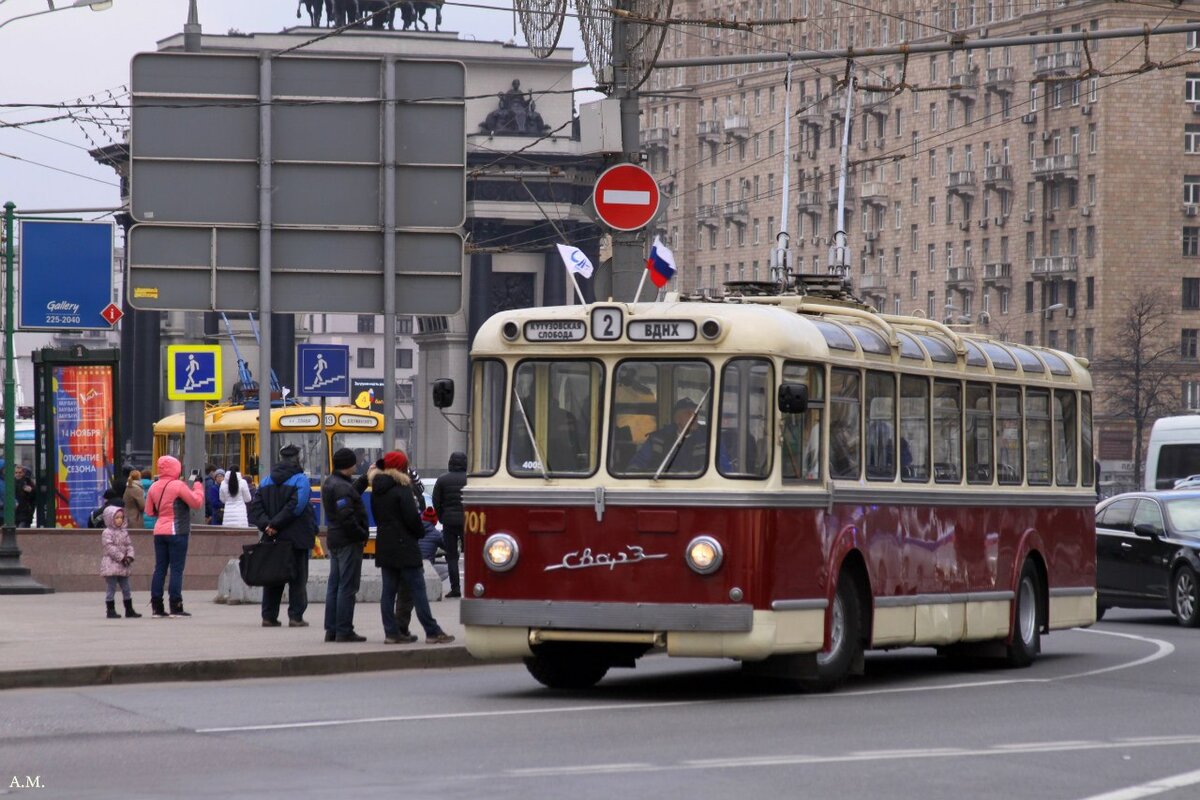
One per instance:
(661,330)
(555,330)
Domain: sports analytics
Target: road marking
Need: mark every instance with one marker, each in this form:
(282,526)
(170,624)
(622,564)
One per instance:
(1162,650)
(1152,788)
(516,712)
(626,197)
(585,769)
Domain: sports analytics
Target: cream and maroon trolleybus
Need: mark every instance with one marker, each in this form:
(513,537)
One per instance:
(781,480)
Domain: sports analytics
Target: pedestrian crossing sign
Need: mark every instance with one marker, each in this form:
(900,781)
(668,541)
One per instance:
(194,372)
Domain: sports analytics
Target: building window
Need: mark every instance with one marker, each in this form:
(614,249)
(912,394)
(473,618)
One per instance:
(366,323)
(1191,294)
(366,357)
(1189,344)
(1191,241)
(912,284)
(931,257)
(404,392)
(406,326)
(404,358)
(1189,394)
(1191,189)
(1191,139)
(912,238)
(1090,242)
(1029,297)
(1191,91)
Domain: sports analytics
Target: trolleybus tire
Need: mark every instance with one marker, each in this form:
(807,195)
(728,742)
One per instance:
(845,637)
(1027,619)
(563,671)
(1185,597)
(1100,611)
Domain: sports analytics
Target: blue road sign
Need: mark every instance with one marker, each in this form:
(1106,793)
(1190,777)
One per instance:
(66,275)
(323,370)
(194,372)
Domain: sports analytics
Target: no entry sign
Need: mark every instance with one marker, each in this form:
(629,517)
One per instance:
(626,197)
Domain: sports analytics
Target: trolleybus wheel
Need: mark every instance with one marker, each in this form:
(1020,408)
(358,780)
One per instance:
(1027,619)
(845,637)
(1100,611)
(564,671)
(1185,599)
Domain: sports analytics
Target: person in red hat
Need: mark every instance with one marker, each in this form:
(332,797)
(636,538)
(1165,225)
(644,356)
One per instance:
(399,530)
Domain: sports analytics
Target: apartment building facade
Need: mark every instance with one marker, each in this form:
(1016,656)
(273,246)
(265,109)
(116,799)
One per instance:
(1011,190)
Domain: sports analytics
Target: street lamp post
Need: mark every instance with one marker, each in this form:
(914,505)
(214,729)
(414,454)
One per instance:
(94,5)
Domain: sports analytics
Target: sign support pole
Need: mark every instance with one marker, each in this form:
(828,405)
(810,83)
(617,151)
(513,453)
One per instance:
(389,256)
(627,249)
(14,578)
(264,267)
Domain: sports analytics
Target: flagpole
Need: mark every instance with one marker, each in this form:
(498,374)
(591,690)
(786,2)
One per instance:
(637,297)
(578,291)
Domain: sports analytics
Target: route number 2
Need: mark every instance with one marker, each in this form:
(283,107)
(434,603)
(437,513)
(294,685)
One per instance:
(606,324)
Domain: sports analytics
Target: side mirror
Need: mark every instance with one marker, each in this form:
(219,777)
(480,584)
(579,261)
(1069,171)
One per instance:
(793,398)
(443,393)
(1146,529)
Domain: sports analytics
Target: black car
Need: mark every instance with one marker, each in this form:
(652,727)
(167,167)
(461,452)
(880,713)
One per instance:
(1148,553)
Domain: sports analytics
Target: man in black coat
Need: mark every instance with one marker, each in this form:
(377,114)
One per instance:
(281,511)
(347,532)
(397,530)
(447,501)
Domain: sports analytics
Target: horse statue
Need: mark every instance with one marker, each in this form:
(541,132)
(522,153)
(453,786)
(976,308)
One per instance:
(414,12)
(315,7)
(384,11)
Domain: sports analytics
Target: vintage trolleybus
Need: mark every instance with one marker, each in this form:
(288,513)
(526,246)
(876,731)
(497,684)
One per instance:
(782,480)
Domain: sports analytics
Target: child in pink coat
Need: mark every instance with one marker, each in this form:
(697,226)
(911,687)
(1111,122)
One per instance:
(114,566)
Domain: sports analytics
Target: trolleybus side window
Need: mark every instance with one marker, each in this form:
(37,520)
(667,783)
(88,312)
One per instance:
(1066,423)
(367,447)
(979,433)
(744,440)
(802,432)
(312,451)
(1037,435)
(487,416)
(1086,457)
(845,420)
(1008,435)
(914,428)
(660,419)
(881,426)
(947,431)
(557,403)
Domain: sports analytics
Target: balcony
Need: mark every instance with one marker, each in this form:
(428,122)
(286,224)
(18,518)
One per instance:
(831,196)
(875,193)
(998,79)
(655,138)
(998,274)
(837,104)
(1062,167)
(737,212)
(1056,64)
(961,182)
(809,202)
(960,277)
(998,177)
(1054,266)
(964,86)
(812,112)
(737,126)
(877,103)
(710,130)
(874,280)
(709,216)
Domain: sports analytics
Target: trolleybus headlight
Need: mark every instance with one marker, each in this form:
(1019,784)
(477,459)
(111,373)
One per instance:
(704,555)
(710,329)
(510,330)
(500,551)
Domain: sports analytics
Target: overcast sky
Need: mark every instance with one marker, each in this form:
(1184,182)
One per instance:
(79,53)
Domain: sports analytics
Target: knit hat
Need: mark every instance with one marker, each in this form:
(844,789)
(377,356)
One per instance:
(344,458)
(429,515)
(289,451)
(395,460)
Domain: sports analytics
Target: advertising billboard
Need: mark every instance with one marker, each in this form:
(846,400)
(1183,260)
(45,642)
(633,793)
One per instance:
(84,456)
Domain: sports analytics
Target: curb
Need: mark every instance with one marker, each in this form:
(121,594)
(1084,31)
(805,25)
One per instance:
(238,668)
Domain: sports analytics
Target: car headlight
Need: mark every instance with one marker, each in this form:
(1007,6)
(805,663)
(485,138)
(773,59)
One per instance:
(704,555)
(500,552)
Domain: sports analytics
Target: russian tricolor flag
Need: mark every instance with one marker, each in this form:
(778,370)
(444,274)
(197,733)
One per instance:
(661,263)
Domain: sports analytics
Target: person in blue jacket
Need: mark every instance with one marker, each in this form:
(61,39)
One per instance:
(281,511)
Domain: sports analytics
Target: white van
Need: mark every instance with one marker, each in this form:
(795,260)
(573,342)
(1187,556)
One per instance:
(1174,452)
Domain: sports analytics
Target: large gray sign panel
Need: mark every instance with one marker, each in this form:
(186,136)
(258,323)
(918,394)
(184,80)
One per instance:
(196,162)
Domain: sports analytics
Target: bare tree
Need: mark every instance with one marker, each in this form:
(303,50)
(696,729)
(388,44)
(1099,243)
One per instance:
(1138,372)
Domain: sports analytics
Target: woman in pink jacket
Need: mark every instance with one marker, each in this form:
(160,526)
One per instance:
(170,500)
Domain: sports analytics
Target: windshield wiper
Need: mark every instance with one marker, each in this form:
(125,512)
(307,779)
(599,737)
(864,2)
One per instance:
(529,432)
(679,439)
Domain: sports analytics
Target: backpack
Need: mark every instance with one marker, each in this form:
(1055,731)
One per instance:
(96,518)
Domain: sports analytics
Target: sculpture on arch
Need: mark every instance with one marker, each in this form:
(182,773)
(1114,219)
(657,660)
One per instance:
(516,115)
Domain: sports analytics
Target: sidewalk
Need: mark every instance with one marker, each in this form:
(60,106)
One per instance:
(63,639)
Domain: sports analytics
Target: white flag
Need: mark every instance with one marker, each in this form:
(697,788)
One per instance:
(575,260)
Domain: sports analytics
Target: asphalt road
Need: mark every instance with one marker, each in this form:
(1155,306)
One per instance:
(1106,713)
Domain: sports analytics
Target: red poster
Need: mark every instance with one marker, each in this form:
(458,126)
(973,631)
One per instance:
(82,409)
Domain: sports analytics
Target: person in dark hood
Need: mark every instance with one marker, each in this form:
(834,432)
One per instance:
(398,529)
(281,511)
(447,501)
(347,532)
